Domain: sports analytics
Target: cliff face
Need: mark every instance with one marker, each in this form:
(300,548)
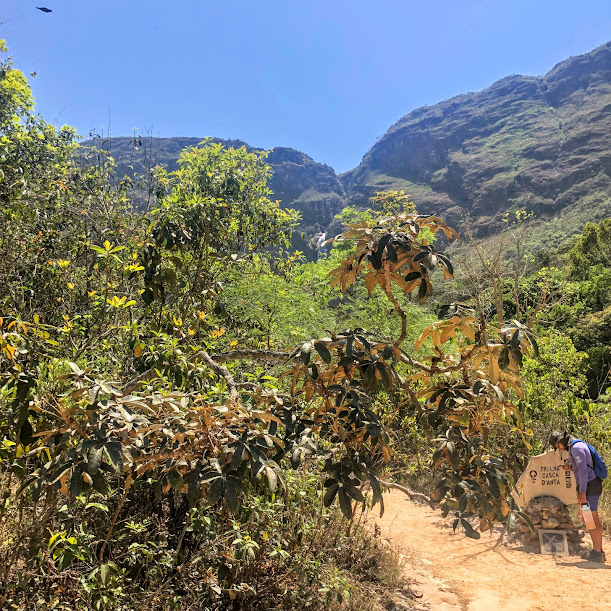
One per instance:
(542,144)
(297,181)
(309,187)
(535,143)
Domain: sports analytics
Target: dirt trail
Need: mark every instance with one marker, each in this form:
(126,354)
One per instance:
(455,573)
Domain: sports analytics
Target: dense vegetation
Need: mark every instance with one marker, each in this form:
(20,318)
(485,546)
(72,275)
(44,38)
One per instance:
(193,417)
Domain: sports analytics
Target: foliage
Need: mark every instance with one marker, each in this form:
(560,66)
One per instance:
(275,551)
(553,383)
(215,209)
(590,249)
(116,418)
(583,311)
(186,415)
(466,388)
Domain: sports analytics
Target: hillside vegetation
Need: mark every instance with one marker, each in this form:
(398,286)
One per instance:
(534,143)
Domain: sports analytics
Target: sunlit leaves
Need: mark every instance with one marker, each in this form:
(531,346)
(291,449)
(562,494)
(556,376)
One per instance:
(216,211)
(392,251)
(120,302)
(445,330)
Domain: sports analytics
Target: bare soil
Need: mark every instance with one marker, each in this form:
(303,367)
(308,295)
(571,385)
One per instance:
(451,572)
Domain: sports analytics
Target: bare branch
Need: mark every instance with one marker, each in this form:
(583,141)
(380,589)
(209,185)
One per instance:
(412,495)
(252,355)
(212,361)
(222,371)
(134,384)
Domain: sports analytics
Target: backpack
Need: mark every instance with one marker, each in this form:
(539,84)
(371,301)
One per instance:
(600,469)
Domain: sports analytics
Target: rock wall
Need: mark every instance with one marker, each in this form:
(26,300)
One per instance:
(549,513)
(535,143)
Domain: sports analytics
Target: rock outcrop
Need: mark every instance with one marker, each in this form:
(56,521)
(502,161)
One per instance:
(535,143)
(542,144)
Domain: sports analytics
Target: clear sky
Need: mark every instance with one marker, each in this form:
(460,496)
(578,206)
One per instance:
(324,76)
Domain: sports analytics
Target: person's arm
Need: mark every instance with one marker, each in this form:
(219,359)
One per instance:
(580,468)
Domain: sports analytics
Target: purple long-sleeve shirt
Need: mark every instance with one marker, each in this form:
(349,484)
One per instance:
(583,466)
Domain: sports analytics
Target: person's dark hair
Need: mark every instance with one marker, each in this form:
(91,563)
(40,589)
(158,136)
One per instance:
(557,436)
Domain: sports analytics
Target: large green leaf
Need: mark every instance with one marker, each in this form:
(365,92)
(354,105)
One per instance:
(354,492)
(175,479)
(113,450)
(76,481)
(469,530)
(345,503)
(330,494)
(231,496)
(322,349)
(215,490)
(94,459)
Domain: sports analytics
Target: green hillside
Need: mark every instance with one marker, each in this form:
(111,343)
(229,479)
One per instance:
(534,143)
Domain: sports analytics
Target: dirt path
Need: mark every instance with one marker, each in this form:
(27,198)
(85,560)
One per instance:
(455,573)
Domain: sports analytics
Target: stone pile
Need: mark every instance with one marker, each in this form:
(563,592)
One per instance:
(549,513)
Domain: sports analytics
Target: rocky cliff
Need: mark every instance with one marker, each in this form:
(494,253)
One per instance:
(536,143)
(297,181)
(542,144)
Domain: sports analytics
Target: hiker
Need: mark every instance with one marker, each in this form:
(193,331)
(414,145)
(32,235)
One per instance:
(589,484)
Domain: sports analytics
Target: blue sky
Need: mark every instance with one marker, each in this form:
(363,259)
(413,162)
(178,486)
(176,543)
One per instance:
(326,77)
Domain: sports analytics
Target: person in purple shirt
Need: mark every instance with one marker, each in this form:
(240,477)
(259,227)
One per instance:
(589,485)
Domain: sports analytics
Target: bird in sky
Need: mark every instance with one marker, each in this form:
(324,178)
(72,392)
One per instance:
(44,9)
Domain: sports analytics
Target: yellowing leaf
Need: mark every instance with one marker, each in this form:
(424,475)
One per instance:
(447,333)
(217,332)
(138,351)
(467,331)
(477,360)
(371,279)
(412,285)
(386,454)
(422,338)
(436,337)
(494,371)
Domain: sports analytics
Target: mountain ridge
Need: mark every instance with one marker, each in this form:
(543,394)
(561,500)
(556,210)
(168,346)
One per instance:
(539,143)
(465,154)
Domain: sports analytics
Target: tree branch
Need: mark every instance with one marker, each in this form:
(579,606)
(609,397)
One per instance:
(134,383)
(253,355)
(212,361)
(223,372)
(395,303)
(412,495)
